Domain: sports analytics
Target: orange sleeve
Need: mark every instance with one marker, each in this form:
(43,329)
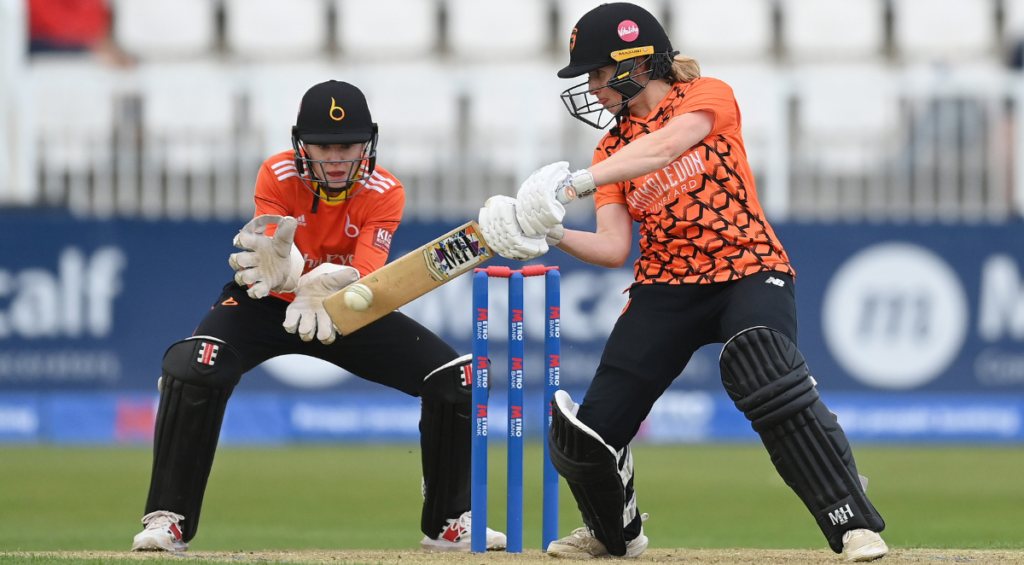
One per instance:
(374,241)
(712,95)
(609,193)
(268,198)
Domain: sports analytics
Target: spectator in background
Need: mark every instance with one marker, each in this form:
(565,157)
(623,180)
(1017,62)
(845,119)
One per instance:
(73,26)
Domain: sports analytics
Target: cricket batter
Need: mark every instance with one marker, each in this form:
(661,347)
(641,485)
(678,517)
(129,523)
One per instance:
(324,214)
(711,270)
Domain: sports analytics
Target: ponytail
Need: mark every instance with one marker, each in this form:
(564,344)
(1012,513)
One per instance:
(684,69)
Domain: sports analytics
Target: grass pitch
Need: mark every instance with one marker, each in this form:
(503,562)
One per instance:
(368,498)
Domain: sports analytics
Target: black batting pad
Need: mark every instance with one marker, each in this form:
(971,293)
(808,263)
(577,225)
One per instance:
(198,377)
(767,378)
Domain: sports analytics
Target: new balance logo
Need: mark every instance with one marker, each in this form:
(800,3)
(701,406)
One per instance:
(775,281)
(841,515)
(301,220)
(208,353)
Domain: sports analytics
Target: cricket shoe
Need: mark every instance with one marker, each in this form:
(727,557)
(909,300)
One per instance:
(863,545)
(161,534)
(581,544)
(457,536)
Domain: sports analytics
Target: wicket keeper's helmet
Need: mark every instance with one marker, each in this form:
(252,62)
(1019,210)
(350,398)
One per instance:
(331,113)
(620,34)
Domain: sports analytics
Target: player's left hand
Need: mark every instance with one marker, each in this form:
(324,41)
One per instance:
(537,209)
(306,313)
(502,231)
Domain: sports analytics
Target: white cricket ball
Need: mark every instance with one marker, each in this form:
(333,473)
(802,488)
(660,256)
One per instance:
(358,297)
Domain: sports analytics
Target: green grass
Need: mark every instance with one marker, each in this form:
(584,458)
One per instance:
(368,497)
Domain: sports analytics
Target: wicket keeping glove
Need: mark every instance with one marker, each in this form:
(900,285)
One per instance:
(267,264)
(306,313)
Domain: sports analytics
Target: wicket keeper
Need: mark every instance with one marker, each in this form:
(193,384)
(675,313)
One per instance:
(325,212)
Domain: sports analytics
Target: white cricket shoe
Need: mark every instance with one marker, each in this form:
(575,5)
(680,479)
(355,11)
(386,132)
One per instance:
(581,544)
(458,535)
(863,545)
(161,534)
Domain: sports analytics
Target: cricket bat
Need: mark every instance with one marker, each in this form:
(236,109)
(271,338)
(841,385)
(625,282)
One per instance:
(409,277)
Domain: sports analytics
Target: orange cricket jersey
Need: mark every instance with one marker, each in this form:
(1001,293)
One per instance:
(700,221)
(355,232)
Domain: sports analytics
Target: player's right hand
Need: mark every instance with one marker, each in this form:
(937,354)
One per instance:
(267,264)
(503,233)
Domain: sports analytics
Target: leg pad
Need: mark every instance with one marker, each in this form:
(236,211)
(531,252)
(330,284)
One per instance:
(600,478)
(445,444)
(767,378)
(199,374)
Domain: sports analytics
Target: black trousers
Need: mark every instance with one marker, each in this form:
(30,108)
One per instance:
(660,329)
(395,351)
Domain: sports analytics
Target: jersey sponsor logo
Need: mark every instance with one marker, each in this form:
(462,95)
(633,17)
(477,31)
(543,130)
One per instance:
(208,353)
(668,183)
(335,107)
(344,259)
(382,240)
(628,30)
(455,254)
(301,220)
(841,515)
(775,281)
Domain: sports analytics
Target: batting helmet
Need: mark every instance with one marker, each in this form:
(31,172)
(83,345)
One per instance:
(333,113)
(620,34)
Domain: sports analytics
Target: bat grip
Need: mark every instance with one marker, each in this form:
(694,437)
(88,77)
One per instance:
(565,193)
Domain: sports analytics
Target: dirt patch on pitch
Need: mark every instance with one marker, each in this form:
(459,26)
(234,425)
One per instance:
(535,557)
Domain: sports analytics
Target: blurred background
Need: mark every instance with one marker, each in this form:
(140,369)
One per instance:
(885,137)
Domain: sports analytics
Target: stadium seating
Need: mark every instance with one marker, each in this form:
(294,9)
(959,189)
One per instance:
(71,141)
(837,30)
(722,30)
(944,30)
(475,28)
(170,30)
(276,29)
(387,28)
(189,116)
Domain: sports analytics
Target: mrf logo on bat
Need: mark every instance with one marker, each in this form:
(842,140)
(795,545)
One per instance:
(456,253)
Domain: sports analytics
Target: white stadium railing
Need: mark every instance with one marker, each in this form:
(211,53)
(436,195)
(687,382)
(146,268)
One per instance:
(849,114)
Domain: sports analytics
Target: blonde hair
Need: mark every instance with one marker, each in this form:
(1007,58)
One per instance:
(684,69)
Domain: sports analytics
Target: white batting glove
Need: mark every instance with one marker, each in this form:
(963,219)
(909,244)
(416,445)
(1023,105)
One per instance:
(503,233)
(555,235)
(537,209)
(267,264)
(306,313)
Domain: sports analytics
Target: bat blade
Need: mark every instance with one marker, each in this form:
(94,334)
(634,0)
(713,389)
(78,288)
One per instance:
(411,276)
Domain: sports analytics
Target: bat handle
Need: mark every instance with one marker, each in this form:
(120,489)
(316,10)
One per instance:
(565,193)
(580,183)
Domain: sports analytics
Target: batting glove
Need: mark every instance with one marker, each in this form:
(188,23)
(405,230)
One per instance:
(502,231)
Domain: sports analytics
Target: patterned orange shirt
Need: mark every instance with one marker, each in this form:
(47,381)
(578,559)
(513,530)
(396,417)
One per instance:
(355,232)
(700,221)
